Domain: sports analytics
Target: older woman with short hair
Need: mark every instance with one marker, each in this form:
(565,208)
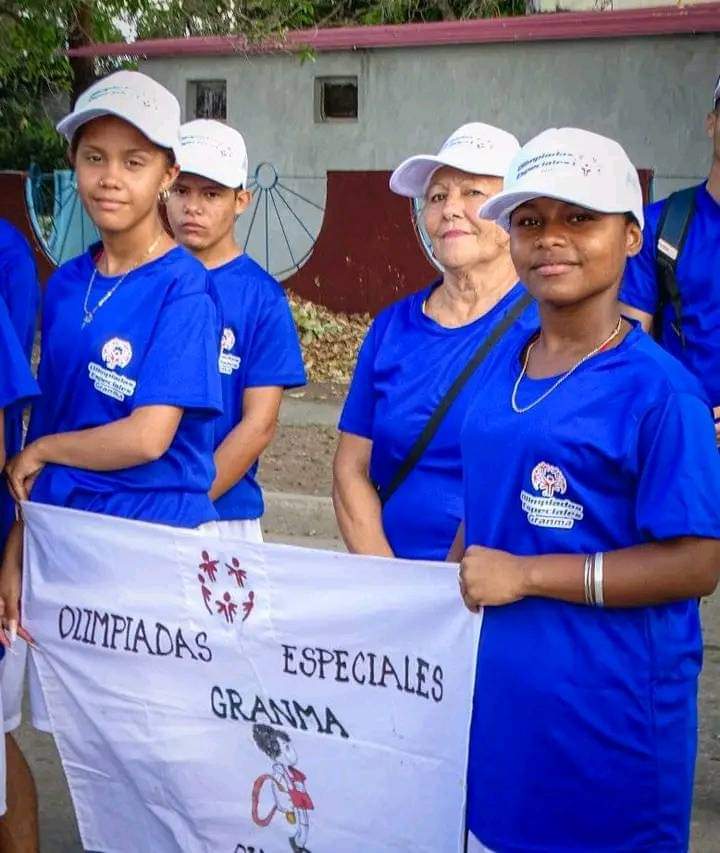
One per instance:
(397,486)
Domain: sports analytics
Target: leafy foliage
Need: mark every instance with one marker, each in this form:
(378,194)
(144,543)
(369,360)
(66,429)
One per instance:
(330,341)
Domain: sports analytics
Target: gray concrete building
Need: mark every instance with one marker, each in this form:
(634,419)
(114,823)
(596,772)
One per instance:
(371,96)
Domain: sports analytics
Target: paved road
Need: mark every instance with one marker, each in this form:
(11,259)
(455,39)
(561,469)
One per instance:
(59,832)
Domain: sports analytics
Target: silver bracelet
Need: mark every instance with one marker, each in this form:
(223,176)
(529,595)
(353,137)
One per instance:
(599,596)
(588,579)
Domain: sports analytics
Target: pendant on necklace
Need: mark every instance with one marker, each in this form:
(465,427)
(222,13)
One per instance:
(87,319)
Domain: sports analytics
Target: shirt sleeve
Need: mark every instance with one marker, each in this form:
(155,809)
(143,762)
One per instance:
(679,485)
(358,413)
(640,287)
(275,357)
(16,380)
(20,289)
(181,365)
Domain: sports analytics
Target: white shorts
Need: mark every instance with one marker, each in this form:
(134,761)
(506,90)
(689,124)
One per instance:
(12,682)
(12,670)
(248,529)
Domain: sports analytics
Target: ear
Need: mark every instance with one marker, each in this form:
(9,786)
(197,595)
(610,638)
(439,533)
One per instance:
(169,177)
(633,239)
(710,122)
(243,199)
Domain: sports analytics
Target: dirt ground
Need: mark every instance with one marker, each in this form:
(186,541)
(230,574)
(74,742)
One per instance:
(299,460)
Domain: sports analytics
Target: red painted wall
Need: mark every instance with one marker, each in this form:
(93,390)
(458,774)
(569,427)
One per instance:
(14,209)
(367,253)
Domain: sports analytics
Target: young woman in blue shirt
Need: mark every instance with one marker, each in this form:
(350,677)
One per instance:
(130,338)
(592,488)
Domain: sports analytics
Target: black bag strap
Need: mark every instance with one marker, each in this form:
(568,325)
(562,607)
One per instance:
(672,231)
(431,427)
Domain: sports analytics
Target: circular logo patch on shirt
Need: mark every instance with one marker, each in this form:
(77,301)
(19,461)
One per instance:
(117,353)
(228,362)
(546,510)
(228,340)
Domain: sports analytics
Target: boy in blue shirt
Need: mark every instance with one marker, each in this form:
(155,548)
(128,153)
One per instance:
(592,526)
(696,342)
(260,352)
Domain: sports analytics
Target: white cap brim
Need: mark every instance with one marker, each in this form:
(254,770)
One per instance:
(69,125)
(412,177)
(199,163)
(500,207)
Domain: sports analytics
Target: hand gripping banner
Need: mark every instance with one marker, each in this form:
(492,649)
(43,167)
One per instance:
(211,695)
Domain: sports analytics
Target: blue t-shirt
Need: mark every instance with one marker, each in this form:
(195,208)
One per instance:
(405,366)
(19,297)
(698,276)
(584,719)
(154,342)
(260,348)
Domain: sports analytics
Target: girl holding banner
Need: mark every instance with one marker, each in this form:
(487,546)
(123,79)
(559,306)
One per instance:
(591,511)
(260,352)
(129,340)
(397,486)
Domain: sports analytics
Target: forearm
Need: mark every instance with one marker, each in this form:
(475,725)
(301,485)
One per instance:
(234,456)
(12,555)
(125,443)
(359,515)
(455,553)
(654,573)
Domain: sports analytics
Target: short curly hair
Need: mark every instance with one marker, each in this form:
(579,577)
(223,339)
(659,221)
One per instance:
(268,739)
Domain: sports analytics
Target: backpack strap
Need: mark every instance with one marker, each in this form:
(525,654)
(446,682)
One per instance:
(672,231)
(431,427)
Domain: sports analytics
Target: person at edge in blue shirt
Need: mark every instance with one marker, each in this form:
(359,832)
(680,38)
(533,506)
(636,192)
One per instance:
(417,347)
(592,528)
(130,340)
(260,352)
(698,278)
(17,387)
(19,298)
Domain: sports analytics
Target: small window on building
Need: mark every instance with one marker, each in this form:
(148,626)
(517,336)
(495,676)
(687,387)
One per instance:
(207,99)
(336,99)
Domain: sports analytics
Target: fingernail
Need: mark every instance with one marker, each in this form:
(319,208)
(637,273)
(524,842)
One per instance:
(12,625)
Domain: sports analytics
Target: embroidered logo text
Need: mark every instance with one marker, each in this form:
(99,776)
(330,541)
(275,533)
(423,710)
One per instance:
(546,510)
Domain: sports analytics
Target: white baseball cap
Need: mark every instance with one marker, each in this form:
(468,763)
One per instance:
(570,165)
(134,97)
(477,148)
(215,151)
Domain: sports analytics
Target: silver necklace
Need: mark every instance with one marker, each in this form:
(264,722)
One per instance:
(522,409)
(89,313)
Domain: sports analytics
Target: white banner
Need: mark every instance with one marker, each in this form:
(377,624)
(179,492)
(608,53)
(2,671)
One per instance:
(212,695)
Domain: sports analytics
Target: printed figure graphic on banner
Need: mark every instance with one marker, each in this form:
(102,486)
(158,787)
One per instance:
(288,786)
(224,603)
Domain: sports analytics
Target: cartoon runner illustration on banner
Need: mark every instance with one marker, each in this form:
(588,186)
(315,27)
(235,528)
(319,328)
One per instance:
(288,785)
